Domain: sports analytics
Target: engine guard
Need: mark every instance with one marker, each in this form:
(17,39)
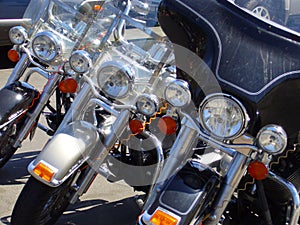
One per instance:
(186,193)
(65,153)
(16,98)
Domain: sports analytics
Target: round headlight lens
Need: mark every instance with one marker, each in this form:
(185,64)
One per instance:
(177,93)
(223,116)
(18,35)
(115,80)
(147,104)
(272,139)
(80,61)
(46,46)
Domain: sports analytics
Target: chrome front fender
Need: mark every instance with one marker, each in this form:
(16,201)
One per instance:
(65,153)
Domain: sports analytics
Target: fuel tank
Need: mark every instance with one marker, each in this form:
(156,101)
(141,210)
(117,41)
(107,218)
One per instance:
(16,98)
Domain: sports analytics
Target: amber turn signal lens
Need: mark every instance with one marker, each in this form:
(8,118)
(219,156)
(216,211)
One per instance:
(162,218)
(258,170)
(43,171)
(13,55)
(136,126)
(167,125)
(68,85)
(97,7)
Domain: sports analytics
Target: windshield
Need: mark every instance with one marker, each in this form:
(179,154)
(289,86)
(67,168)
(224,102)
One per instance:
(65,21)
(125,48)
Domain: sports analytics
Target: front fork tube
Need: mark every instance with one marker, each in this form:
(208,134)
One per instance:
(19,69)
(235,173)
(181,150)
(44,98)
(117,129)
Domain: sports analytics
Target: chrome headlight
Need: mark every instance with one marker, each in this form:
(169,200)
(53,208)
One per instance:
(272,139)
(223,116)
(115,80)
(46,46)
(80,61)
(177,93)
(18,35)
(147,104)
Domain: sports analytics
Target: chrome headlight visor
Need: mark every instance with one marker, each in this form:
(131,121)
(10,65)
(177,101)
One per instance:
(272,139)
(80,61)
(177,93)
(46,46)
(115,79)
(223,116)
(18,35)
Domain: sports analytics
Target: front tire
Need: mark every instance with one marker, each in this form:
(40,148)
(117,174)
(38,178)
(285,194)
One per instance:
(39,204)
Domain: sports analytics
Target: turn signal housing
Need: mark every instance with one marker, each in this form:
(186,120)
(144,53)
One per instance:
(44,171)
(68,85)
(136,126)
(13,55)
(258,170)
(167,125)
(163,218)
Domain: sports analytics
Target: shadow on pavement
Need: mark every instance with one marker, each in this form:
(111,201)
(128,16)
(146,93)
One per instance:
(97,212)
(15,171)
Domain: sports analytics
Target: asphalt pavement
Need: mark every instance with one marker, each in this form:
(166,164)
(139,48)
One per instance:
(104,204)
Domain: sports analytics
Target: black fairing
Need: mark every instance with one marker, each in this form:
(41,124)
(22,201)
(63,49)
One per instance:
(254,61)
(15,98)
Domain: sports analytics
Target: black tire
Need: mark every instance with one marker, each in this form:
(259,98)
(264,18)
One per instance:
(39,204)
(265,9)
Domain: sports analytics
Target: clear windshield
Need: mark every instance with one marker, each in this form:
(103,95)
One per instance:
(67,19)
(122,28)
(136,51)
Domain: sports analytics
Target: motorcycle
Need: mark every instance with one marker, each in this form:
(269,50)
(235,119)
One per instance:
(42,46)
(122,121)
(236,157)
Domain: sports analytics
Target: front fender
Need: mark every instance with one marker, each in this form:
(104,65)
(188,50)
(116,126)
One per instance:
(16,98)
(65,153)
(183,195)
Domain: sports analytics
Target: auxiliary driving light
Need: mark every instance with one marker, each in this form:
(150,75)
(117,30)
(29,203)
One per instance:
(272,139)
(80,61)
(147,104)
(177,93)
(18,35)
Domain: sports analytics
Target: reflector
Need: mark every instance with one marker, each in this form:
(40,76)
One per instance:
(43,171)
(258,170)
(162,218)
(167,125)
(68,85)
(13,55)
(136,126)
